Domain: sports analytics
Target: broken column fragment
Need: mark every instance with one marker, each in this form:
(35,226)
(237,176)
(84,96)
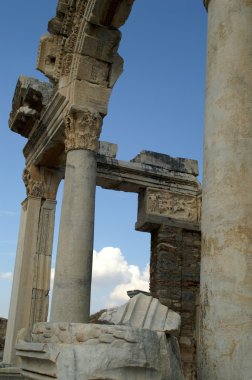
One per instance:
(144,312)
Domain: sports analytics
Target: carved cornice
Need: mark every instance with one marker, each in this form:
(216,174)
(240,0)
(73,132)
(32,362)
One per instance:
(41,182)
(82,130)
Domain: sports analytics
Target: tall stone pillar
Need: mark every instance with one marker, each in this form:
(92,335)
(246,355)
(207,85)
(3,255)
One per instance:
(226,270)
(72,284)
(31,280)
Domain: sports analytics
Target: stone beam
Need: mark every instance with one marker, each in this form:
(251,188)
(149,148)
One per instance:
(134,176)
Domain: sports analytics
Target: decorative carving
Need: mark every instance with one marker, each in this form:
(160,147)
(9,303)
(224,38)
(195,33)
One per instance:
(82,130)
(34,185)
(174,205)
(41,182)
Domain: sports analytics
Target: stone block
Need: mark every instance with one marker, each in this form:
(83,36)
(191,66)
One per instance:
(111,13)
(92,70)
(48,55)
(30,98)
(177,164)
(107,149)
(91,96)
(144,312)
(89,351)
(100,43)
(158,206)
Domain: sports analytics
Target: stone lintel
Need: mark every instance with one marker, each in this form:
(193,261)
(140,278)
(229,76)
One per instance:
(29,100)
(133,177)
(177,164)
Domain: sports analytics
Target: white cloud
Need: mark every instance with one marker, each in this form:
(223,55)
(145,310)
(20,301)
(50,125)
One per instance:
(6,276)
(139,280)
(112,277)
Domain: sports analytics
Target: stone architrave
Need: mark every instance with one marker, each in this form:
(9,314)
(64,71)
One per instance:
(225,344)
(31,280)
(73,272)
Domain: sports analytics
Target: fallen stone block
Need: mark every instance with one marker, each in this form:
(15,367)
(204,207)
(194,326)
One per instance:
(89,351)
(144,312)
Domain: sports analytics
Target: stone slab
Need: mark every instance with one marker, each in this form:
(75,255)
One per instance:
(177,164)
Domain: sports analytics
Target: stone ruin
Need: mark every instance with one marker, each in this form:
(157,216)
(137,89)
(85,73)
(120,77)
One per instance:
(62,121)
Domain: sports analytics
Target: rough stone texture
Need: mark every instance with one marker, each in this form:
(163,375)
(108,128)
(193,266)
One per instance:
(3,327)
(183,165)
(70,351)
(174,280)
(144,312)
(29,100)
(107,149)
(226,266)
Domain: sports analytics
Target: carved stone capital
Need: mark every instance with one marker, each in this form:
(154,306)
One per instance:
(82,130)
(41,182)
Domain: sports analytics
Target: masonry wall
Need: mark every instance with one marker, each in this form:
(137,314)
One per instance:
(175,279)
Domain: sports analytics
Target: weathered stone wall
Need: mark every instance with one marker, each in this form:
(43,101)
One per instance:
(174,279)
(3,327)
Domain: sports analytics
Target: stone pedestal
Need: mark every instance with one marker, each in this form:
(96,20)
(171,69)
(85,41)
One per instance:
(226,269)
(72,284)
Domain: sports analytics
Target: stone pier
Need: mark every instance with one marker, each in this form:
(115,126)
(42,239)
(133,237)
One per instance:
(73,273)
(31,281)
(226,268)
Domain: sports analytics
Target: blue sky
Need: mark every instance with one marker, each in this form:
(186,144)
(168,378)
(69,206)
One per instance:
(157,104)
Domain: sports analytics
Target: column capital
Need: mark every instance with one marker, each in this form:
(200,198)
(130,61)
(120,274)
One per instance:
(82,129)
(41,182)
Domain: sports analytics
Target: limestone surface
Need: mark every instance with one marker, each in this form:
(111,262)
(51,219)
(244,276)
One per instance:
(177,164)
(144,312)
(91,352)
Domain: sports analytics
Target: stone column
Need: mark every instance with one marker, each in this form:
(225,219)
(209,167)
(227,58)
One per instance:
(72,284)
(226,270)
(31,280)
